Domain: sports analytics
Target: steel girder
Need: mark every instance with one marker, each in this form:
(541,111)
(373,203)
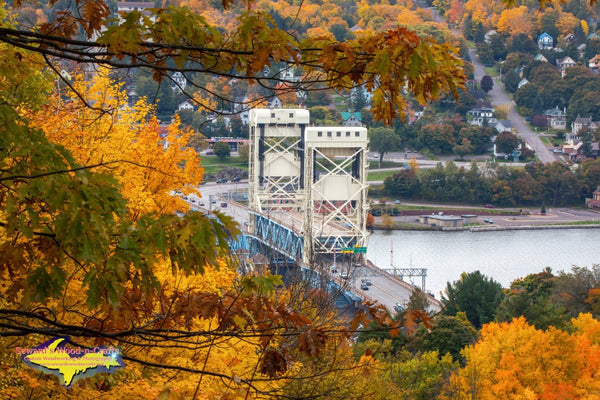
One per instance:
(282,239)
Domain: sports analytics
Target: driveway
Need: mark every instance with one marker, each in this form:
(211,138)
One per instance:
(499,97)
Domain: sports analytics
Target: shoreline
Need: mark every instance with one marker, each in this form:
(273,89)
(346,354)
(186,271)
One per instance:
(490,228)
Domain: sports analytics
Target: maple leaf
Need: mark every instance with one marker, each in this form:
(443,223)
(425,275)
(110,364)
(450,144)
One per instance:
(312,341)
(274,362)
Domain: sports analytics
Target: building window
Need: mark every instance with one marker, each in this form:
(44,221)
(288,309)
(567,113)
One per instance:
(272,115)
(338,134)
(291,115)
(329,134)
(357,133)
(348,134)
(320,134)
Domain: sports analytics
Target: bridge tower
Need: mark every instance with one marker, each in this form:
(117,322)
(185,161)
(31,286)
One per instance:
(335,200)
(317,174)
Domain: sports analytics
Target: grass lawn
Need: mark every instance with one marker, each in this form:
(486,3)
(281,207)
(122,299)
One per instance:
(379,176)
(385,164)
(492,71)
(545,141)
(212,164)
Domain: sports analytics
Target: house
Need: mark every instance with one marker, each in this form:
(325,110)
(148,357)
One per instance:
(488,35)
(178,81)
(482,115)
(593,36)
(484,112)
(594,202)
(569,38)
(557,118)
(274,102)
(545,41)
(540,57)
(522,82)
(594,63)
(581,49)
(503,125)
(351,118)
(595,149)
(583,123)
(288,75)
(245,117)
(186,105)
(574,151)
(564,63)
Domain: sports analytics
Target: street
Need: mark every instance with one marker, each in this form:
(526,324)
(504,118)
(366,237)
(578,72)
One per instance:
(499,97)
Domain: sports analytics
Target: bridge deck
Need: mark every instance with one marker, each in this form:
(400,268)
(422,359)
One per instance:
(385,289)
(294,220)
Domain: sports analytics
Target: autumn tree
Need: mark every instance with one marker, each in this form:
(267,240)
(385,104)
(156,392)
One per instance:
(516,358)
(91,245)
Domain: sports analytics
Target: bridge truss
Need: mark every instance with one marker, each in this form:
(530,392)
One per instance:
(316,173)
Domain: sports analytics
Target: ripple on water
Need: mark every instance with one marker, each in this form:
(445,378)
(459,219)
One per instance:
(502,255)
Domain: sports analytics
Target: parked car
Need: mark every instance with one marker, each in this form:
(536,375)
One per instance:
(366,281)
(364,286)
(221,180)
(237,179)
(489,206)
(488,221)
(397,202)
(398,307)
(344,275)
(223,205)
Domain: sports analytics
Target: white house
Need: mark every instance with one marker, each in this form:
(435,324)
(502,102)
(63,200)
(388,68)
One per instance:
(565,63)
(179,81)
(481,115)
(186,105)
(545,41)
(488,35)
(540,57)
(503,125)
(522,82)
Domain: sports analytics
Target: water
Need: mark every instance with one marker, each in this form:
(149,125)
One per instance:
(502,255)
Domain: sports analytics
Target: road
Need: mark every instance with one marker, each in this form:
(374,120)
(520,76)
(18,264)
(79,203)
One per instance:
(559,215)
(386,290)
(499,97)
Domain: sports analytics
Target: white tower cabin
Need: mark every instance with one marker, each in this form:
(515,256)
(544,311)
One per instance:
(310,178)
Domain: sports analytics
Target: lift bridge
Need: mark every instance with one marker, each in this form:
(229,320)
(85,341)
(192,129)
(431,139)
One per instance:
(307,192)
(307,185)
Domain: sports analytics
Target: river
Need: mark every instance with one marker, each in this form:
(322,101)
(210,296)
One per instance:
(502,255)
